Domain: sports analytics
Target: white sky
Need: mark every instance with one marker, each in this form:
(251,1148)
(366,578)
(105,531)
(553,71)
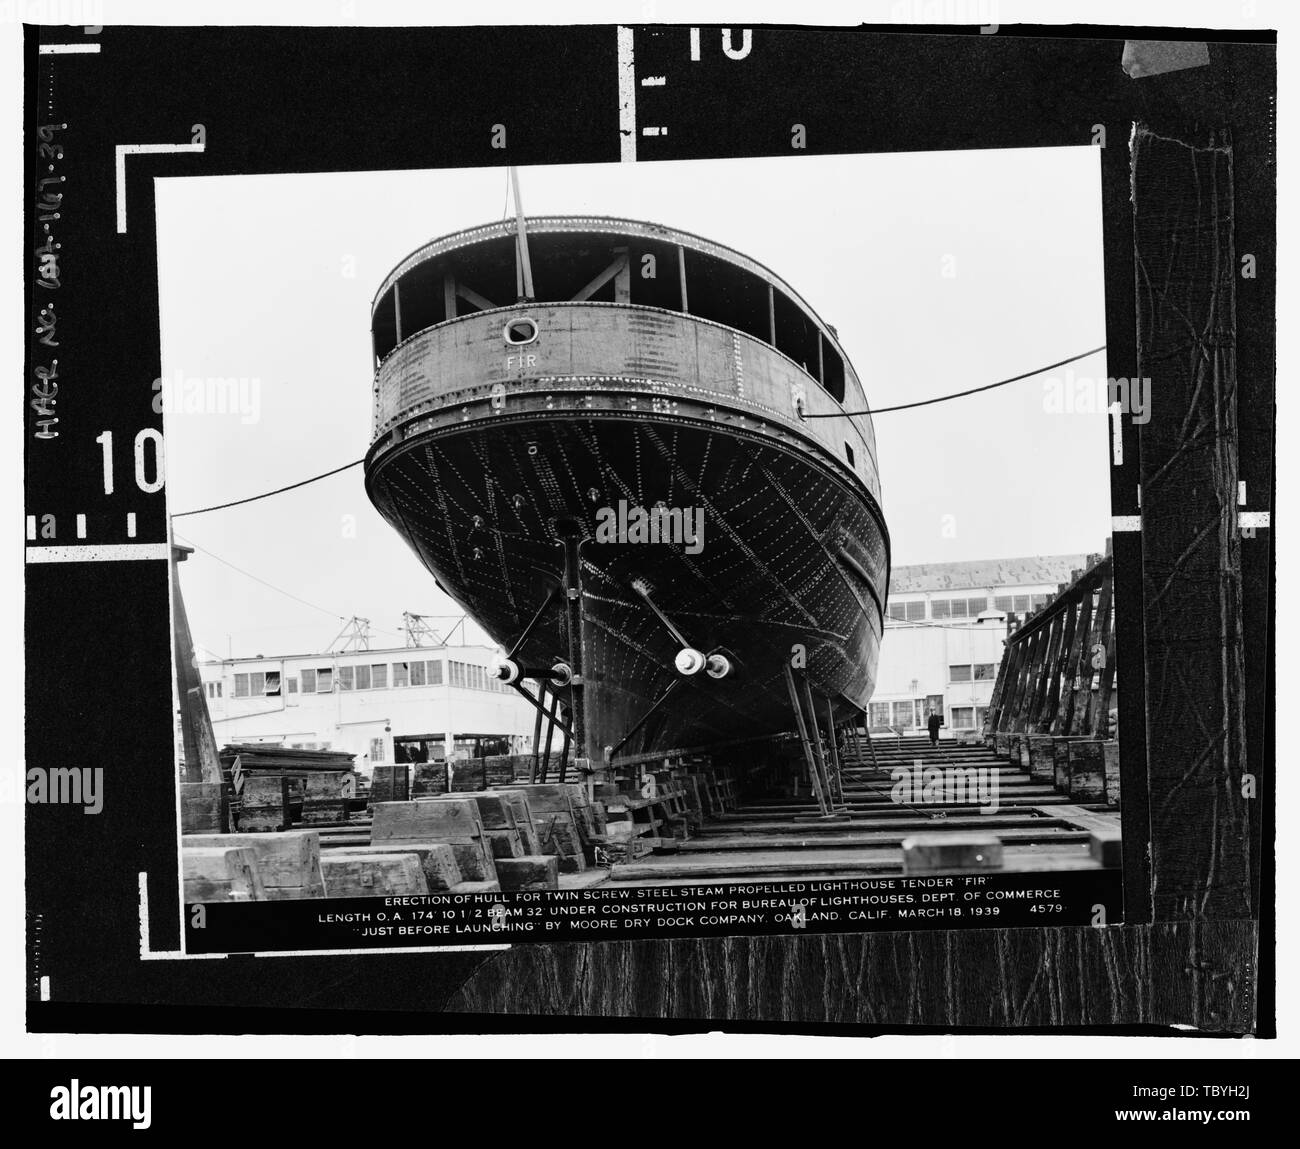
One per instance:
(271,277)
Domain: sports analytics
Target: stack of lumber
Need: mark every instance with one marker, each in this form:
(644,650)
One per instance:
(276,787)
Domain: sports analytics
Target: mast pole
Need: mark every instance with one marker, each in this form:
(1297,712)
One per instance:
(521,237)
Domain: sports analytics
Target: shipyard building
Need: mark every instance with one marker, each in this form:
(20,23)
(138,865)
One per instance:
(384,706)
(945,627)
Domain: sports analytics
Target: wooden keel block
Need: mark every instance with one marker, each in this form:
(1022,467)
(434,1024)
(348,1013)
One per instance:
(390,784)
(427,820)
(468,774)
(1002,745)
(372,874)
(290,859)
(221,874)
(1111,752)
(1107,848)
(505,844)
(492,887)
(474,859)
(523,817)
(498,770)
(928,853)
(530,872)
(202,807)
(428,778)
(1042,760)
(493,810)
(437,861)
(1087,767)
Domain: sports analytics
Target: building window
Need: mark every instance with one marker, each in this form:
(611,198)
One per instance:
(1022,603)
(308,681)
(977,606)
(292,684)
(241,685)
(363,677)
(256,682)
(324,680)
(915,611)
(379,676)
(1039,601)
(346,678)
(959,674)
(963,717)
(273,684)
(940,608)
(435,672)
(896,611)
(456,673)
(417,674)
(401,674)
(376,750)
(986,671)
(905,714)
(1004,603)
(879,715)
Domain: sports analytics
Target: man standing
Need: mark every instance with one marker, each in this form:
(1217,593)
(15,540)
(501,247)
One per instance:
(934,723)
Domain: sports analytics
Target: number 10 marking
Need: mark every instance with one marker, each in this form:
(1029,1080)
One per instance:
(148,435)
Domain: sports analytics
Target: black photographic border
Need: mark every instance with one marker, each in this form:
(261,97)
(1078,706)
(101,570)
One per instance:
(1195,948)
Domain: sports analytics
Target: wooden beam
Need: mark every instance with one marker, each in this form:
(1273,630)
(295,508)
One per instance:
(619,263)
(479,301)
(1107,683)
(681,275)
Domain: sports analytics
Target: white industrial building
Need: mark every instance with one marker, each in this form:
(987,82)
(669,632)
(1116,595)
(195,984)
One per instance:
(944,631)
(401,704)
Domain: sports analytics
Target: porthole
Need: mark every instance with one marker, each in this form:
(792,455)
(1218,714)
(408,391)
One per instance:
(518,332)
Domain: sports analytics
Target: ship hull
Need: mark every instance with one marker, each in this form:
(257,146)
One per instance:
(790,565)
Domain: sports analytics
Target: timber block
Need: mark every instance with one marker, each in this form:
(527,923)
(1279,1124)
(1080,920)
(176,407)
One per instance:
(1087,766)
(289,860)
(1111,752)
(1106,847)
(498,770)
(928,853)
(474,859)
(505,844)
(437,860)
(202,807)
(1022,748)
(221,874)
(372,874)
(428,778)
(428,820)
(494,811)
(523,817)
(1002,745)
(468,774)
(492,887)
(390,783)
(530,872)
(1061,760)
(1042,762)
(264,803)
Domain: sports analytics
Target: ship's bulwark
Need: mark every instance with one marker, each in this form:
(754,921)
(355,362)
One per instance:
(791,555)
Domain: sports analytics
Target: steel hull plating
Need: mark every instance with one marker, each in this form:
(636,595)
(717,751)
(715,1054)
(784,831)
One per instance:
(792,556)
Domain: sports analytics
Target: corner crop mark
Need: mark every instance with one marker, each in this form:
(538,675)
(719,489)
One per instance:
(124,150)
